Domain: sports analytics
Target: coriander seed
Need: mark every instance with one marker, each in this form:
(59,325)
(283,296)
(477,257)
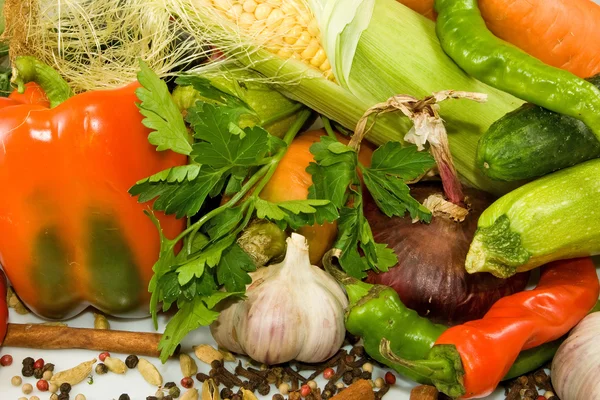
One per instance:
(47,375)
(284,388)
(278,397)
(34,398)
(80,397)
(16,381)
(132,361)
(53,396)
(367,367)
(379,383)
(27,388)
(53,388)
(174,392)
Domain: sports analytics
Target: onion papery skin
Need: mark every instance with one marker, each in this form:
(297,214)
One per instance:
(430,276)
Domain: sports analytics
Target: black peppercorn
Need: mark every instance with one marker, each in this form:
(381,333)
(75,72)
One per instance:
(27,370)
(331,388)
(151,398)
(226,393)
(101,369)
(366,375)
(48,367)
(63,396)
(132,361)
(38,373)
(263,388)
(347,378)
(326,394)
(28,361)
(356,372)
(167,397)
(124,396)
(169,385)
(65,388)
(201,377)
(278,397)
(236,397)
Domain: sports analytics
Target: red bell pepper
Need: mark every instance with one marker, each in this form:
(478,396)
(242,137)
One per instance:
(70,234)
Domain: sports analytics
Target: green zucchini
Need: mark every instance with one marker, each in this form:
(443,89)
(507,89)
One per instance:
(552,218)
(533,141)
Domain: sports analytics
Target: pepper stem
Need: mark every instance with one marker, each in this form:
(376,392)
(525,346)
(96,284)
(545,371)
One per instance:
(30,69)
(443,367)
(355,288)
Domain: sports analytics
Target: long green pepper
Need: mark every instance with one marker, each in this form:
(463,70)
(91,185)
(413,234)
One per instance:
(375,312)
(466,39)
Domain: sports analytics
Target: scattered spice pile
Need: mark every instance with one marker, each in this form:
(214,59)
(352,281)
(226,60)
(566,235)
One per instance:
(533,386)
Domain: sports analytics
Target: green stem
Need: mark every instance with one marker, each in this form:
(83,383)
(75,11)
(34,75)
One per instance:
(284,114)
(328,128)
(30,69)
(355,288)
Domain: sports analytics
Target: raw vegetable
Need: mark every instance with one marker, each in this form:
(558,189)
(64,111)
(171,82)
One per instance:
(575,366)
(427,69)
(375,312)
(291,181)
(226,159)
(71,235)
(423,7)
(430,277)
(551,218)
(3,307)
(292,311)
(464,37)
(532,141)
(469,360)
(563,34)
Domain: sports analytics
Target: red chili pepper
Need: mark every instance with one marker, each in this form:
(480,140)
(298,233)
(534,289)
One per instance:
(71,233)
(469,360)
(3,308)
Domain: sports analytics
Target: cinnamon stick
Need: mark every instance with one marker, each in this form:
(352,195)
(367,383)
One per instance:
(359,390)
(424,392)
(37,336)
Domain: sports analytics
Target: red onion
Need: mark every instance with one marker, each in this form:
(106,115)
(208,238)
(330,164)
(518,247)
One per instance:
(430,276)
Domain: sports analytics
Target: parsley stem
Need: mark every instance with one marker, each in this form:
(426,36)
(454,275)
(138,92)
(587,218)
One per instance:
(328,128)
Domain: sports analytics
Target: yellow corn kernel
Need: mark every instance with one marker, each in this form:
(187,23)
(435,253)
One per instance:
(223,5)
(262,11)
(275,18)
(235,12)
(249,6)
(285,53)
(302,41)
(311,50)
(292,36)
(313,28)
(246,20)
(325,65)
(319,58)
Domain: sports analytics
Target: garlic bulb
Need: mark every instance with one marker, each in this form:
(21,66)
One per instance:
(576,365)
(293,311)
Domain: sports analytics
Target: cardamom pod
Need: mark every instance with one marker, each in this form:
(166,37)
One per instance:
(190,394)
(74,375)
(210,391)
(115,365)
(188,365)
(207,354)
(100,322)
(227,355)
(149,372)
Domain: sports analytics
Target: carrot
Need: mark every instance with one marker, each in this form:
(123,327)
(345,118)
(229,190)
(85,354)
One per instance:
(561,33)
(424,7)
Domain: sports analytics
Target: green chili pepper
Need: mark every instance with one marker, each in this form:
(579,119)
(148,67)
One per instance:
(466,39)
(377,315)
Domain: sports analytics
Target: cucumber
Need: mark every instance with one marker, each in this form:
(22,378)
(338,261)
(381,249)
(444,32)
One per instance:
(533,141)
(552,218)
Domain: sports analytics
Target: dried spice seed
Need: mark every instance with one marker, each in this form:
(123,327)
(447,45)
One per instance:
(278,397)
(149,372)
(100,322)
(52,388)
(80,397)
(27,370)
(188,365)
(190,394)
(124,396)
(169,385)
(28,361)
(207,354)
(47,375)
(201,377)
(42,385)
(48,367)
(27,388)
(63,396)
(187,382)
(174,392)
(367,367)
(65,387)
(305,390)
(263,389)
(53,396)
(102,356)
(39,363)
(37,373)
(34,398)
(227,355)
(101,369)
(159,394)
(16,381)
(132,361)
(390,378)
(115,365)
(74,375)
(6,360)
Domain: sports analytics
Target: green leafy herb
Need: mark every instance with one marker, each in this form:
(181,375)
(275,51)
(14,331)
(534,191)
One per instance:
(225,158)
(335,178)
(162,115)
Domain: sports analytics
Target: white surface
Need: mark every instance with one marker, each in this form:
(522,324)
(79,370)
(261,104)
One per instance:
(111,386)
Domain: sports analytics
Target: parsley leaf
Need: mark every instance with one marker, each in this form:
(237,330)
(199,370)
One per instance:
(161,114)
(233,268)
(221,145)
(297,213)
(180,190)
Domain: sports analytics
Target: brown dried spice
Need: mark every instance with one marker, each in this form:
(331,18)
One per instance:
(149,372)
(74,375)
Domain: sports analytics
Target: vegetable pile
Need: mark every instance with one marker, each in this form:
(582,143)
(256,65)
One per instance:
(286,172)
